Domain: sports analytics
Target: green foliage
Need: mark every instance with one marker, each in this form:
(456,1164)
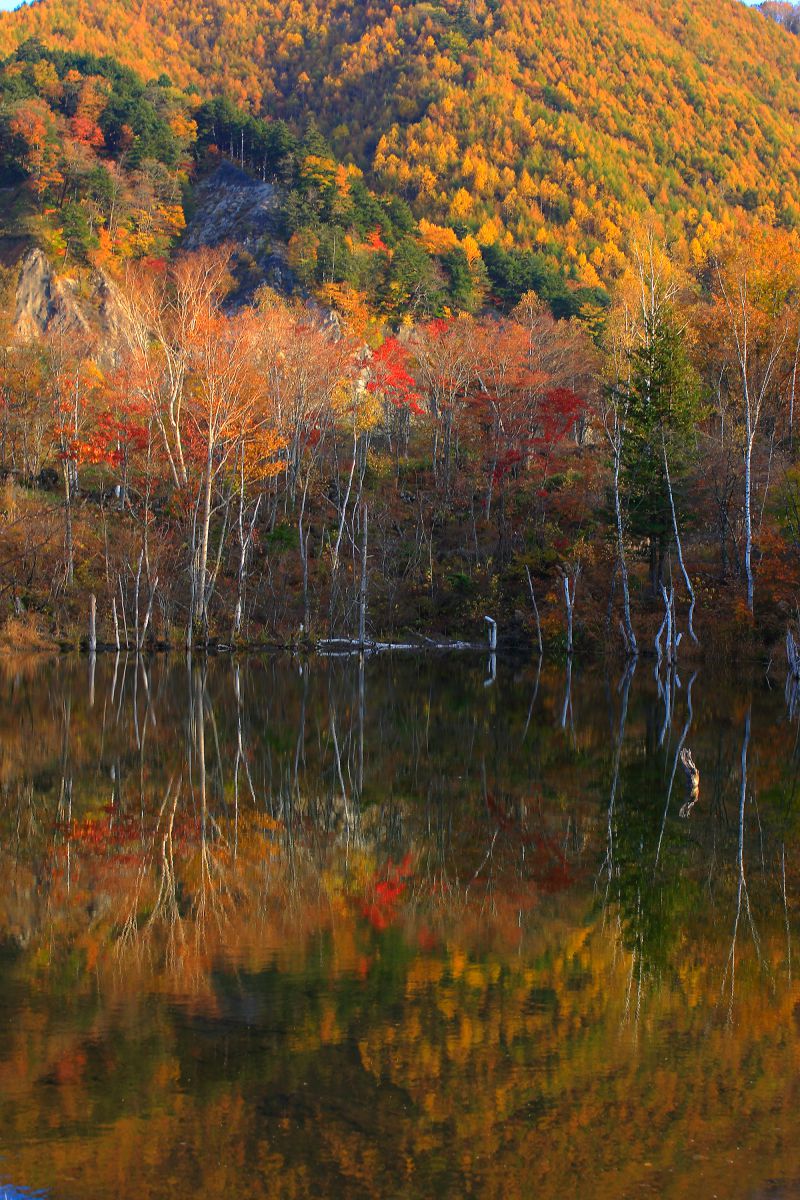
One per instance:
(512,273)
(662,405)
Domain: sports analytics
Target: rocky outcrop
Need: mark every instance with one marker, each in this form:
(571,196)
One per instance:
(228,207)
(49,303)
(46,303)
(232,207)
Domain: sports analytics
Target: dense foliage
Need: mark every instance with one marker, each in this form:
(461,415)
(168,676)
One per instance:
(510,424)
(107,160)
(519,124)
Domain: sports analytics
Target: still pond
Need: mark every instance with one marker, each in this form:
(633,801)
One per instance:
(272,929)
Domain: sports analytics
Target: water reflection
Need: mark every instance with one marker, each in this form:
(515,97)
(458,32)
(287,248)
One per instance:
(347,928)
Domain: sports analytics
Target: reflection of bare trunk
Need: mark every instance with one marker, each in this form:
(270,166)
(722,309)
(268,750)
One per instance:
(533,698)
(65,794)
(241,757)
(786,914)
(692,774)
(362,703)
(566,711)
(742,897)
(680,756)
(625,688)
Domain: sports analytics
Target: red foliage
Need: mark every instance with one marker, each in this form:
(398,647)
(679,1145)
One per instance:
(375,241)
(87,132)
(559,413)
(392,378)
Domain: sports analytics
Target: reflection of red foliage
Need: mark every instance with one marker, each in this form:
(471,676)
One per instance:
(380,909)
(544,859)
(122,836)
(426,939)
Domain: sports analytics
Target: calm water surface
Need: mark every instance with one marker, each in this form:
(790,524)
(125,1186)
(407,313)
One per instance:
(399,931)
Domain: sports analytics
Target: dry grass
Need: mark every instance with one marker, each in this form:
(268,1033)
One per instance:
(24,635)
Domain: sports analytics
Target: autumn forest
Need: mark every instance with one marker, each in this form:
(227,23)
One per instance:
(445,369)
(399,599)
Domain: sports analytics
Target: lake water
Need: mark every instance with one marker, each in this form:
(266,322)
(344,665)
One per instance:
(401,931)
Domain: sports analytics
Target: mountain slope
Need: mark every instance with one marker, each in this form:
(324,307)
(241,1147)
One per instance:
(525,122)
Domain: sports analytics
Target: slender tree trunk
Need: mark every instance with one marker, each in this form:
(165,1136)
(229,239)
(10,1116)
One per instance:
(630,636)
(748,517)
(92,624)
(303,539)
(69,544)
(678,546)
(535,610)
(362,595)
(205,526)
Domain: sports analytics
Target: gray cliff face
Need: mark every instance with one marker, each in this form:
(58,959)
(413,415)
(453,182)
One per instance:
(44,302)
(231,207)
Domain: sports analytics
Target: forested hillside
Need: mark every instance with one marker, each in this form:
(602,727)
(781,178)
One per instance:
(517,123)
(442,310)
(98,168)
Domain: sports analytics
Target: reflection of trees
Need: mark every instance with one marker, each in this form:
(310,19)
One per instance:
(280,768)
(354,941)
(666,877)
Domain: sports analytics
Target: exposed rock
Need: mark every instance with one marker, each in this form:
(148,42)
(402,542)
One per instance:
(45,302)
(109,309)
(231,206)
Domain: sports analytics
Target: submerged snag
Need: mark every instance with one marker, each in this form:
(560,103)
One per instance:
(692,775)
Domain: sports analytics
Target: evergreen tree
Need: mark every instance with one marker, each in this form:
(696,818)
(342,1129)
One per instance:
(663,405)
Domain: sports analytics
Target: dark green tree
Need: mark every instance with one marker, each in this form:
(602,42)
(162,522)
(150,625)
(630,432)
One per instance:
(662,404)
